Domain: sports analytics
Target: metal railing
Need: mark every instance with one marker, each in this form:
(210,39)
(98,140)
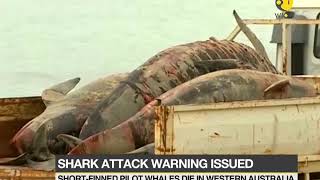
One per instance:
(284,63)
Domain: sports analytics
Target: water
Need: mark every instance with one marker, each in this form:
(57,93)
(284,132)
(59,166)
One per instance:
(43,42)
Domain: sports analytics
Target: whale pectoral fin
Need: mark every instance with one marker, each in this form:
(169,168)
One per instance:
(277,86)
(71,141)
(39,149)
(58,91)
(221,64)
(15,161)
(147,149)
(250,35)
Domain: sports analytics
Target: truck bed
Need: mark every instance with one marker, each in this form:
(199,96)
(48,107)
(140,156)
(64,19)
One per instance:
(175,121)
(24,173)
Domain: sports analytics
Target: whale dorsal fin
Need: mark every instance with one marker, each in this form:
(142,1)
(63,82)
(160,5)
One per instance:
(58,91)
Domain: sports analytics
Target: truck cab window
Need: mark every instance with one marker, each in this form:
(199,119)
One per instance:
(316,47)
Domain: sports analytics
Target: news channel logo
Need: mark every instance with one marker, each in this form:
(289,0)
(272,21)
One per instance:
(285,6)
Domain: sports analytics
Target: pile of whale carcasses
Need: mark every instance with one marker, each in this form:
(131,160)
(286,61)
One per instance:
(115,114)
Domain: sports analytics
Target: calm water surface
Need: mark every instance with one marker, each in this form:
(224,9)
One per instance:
(43,42)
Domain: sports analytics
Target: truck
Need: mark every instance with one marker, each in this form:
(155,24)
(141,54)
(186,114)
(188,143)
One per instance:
(286,126)
(282,126)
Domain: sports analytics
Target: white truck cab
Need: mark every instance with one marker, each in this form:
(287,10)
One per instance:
(305,39)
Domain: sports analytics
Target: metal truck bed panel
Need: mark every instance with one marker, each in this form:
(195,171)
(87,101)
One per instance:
(14,113)
(278,126)
(287,126)
(23,173)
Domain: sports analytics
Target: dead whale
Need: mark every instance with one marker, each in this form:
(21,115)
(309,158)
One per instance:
(65,113)
(220,86)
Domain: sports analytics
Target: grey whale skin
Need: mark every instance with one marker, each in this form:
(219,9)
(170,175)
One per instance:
(220,86)
(65,113)
(167,70)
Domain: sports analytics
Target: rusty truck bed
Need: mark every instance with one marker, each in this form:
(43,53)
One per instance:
(15,112)
(24,173)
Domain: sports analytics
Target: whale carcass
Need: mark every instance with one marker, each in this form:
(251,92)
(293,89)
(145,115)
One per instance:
(220,86)
(167,70)
(65,113)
